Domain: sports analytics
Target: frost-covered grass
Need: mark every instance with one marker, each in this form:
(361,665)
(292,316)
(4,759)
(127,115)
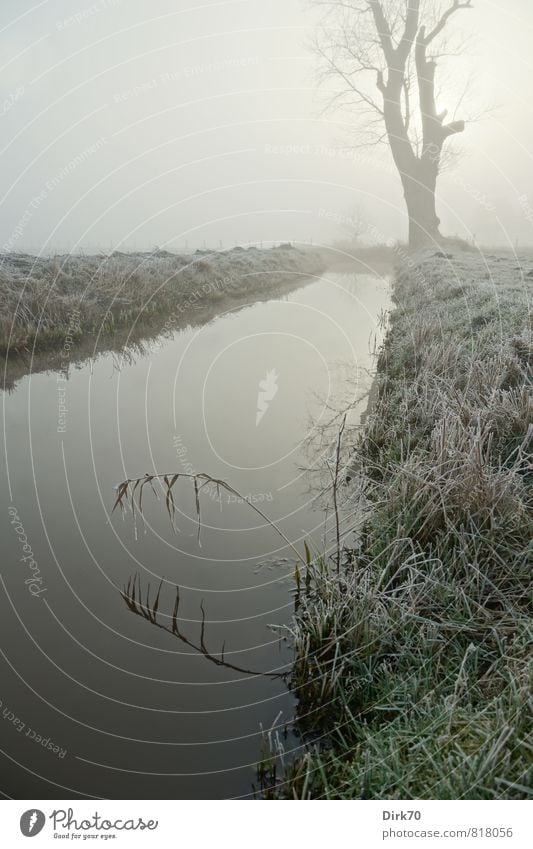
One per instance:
(45,300)
(413,665)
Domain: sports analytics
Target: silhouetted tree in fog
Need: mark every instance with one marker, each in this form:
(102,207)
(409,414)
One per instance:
(384,53)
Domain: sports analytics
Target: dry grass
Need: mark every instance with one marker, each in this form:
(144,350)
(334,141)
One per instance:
(413,665)
(46,301)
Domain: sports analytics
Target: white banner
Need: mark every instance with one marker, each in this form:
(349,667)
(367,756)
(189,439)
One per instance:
(255,825)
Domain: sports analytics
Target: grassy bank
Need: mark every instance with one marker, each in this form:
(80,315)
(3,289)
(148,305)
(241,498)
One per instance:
(413,663)
(47,301)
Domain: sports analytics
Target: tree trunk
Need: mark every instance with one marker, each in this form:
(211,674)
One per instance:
(419,193)
(418,176)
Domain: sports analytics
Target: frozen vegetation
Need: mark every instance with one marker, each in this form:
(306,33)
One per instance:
(44,300)
(413,663)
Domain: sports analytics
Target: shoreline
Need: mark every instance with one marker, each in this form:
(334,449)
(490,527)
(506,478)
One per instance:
(75,308)
(47,302)
(399,662)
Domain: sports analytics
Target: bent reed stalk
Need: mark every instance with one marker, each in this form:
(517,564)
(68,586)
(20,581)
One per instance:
(126,496)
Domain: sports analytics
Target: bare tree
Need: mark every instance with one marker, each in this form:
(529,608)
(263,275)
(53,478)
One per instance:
(384,53)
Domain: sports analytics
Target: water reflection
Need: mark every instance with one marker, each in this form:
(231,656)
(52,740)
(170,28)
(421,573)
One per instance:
(133,597)
(126,345)
(80,665)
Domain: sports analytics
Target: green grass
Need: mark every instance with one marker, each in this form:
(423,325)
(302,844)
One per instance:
(413,665)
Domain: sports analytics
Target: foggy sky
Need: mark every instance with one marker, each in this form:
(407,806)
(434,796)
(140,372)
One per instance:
(128,124)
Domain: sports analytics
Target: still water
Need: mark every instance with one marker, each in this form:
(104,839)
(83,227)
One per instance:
(95,700)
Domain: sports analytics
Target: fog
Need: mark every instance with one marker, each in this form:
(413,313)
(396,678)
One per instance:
(127,125)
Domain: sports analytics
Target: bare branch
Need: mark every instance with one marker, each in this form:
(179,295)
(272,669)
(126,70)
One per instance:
(444,19)
(383,30)
(409,33)
(336,71)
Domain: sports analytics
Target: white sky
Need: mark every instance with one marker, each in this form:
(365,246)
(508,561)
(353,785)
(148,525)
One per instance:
(129,124)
